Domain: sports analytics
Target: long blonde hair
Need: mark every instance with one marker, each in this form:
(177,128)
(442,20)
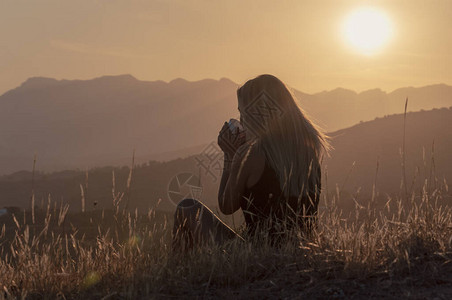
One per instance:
(292,143)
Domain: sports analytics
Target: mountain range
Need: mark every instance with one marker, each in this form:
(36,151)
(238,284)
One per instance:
(80,124)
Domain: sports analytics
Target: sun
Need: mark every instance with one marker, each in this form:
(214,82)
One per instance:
(367,30)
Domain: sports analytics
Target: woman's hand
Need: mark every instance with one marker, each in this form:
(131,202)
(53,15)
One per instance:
(229,142)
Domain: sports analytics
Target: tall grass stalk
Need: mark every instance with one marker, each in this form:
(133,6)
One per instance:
(404,183)
(32,198)
(129,181)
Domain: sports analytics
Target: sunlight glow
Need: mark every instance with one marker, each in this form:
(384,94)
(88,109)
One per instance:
(367,30)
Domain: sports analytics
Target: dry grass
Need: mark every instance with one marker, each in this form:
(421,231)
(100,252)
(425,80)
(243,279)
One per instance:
(403,250)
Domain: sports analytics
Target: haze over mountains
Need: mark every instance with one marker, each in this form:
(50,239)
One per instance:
(78,124)
(85,123)
(341,108)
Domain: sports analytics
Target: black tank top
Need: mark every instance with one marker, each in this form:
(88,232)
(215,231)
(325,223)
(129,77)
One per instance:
(266,203)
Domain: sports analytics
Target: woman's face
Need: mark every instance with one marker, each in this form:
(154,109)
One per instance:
(243,120)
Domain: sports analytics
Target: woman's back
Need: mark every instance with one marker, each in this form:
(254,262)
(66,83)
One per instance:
(265,205)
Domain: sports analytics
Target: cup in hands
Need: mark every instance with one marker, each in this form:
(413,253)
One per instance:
(231,137)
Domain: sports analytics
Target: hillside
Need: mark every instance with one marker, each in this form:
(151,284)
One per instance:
(365,144)
(358,150)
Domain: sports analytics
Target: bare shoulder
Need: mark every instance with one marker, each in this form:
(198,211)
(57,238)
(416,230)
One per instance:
(253,162)
(249,153)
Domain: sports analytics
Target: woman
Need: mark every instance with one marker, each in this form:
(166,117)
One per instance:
(272,173)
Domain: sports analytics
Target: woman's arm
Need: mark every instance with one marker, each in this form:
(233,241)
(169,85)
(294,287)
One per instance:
(233,181)
(224,176)
(230,143)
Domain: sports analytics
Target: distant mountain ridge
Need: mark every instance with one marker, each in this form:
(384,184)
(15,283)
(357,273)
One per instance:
(39,82)
(73,124)
(84,123)
(341,108)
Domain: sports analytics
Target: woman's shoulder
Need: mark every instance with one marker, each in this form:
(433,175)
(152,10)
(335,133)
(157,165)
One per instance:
(254,162)
(250,153)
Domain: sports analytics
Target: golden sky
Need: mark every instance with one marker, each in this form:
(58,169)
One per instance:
(298,41)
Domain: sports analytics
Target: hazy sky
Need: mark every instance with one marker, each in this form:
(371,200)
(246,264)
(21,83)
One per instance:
(298,41)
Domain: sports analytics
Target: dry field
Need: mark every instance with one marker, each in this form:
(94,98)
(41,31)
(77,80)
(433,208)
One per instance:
(401,250)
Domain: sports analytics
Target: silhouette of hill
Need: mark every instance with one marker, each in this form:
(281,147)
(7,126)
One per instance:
(358,150)
(82,124)
(149,184)
(365,144)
